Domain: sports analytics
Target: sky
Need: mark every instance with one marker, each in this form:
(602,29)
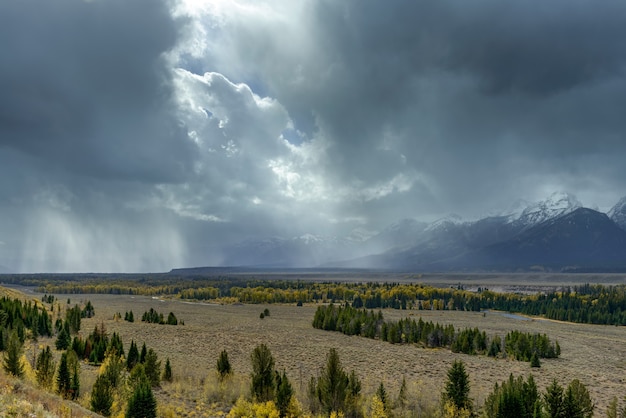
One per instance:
(145,135)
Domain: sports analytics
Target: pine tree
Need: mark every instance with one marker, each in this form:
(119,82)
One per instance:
(262,374)
(63,339)
(553,400)
(63,377)
(534,360)
(457,387)
(284,392)
(133,356)
(577,402)
(332,384)
(142,356)
(102,396)
(381,392)
(153,367)
(13,356)
(142,403)
(75,384)
(223,365)
(45,368)
(167,371)
(402,400)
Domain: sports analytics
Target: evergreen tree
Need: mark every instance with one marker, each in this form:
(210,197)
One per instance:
(332,384)
(553,400)
(284,392)
(381,392)
(223,365)
(457,387)
(577,402)
(144,351)
(534,360)
(13,355)
(45,368)
(171,319)
(153,367)
(63,377)
(353,395)
(133,356)
(102,396)
(142,403)
(167,371)
(63,339)
(112,369)
(262,374)
(402,400)
(513,398)
(75,383)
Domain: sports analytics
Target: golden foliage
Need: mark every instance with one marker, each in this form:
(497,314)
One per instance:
(377,408)
(451,411)
(246,409)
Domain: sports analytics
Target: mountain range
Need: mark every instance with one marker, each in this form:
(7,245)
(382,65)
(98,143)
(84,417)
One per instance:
(556,234)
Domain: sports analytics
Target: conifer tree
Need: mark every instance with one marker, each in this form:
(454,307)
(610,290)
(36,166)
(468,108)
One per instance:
(457,387)
(332,384)
(553,400)
(63,377)
(75,384)
(144,351)
(13,355)
(167,371)
(223,365)
(284,392)
(534,360)
(142,403)
(102,396)
(577,402)
(262,374)
(153,367)
(63,339)
(133,356)
(381,392)
(45,368)
(402,400)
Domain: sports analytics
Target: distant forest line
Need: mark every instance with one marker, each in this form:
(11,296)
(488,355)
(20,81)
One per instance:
(586,303)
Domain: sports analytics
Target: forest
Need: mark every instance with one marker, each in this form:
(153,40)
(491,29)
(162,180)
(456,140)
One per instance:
(586,303)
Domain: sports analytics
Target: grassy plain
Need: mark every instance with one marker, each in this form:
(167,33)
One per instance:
(594,354)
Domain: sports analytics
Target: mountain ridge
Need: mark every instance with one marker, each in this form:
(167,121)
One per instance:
(554,234)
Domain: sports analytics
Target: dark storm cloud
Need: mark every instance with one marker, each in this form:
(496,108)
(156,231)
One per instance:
(88,127)
(476,97)
(86,84)
(152,140)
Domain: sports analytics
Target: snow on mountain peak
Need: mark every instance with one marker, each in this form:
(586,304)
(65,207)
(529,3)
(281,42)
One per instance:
(557,204)
(618,213)
(449,220)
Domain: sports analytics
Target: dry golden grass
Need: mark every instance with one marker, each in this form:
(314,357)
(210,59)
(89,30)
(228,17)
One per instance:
(591,353)
(22,399)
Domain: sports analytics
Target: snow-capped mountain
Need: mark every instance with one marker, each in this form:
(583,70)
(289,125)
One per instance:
(446,222)
(559,203)
(556,233)
(618,213)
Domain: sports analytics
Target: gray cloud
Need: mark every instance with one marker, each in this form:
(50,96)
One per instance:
(122,123)
(86,84)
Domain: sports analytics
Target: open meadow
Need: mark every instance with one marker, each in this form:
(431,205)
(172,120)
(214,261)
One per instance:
(594,354)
